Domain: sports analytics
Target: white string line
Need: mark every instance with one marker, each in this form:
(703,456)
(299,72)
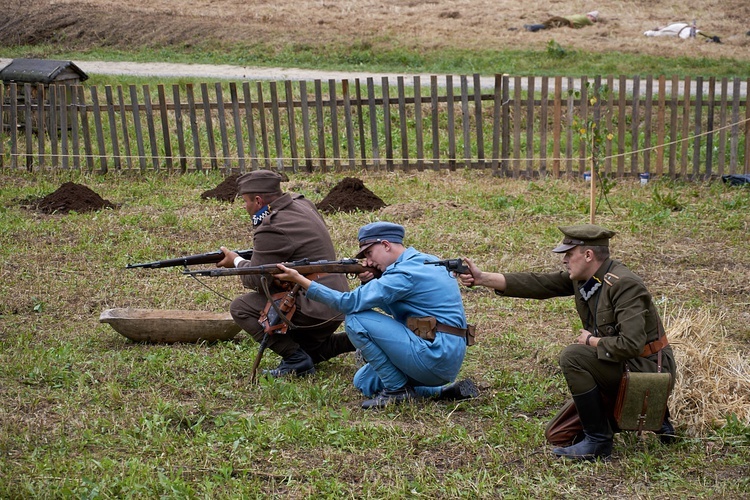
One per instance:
(359,159)
(690,138)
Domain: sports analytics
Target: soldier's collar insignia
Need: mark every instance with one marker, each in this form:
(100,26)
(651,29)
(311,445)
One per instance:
(590,287)
(260,215)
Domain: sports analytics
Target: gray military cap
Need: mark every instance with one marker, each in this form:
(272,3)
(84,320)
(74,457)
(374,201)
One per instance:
(583,234)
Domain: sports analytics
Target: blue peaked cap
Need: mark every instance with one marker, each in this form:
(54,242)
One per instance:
(376,232)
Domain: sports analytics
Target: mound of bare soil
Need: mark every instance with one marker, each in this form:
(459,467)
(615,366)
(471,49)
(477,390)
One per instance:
(72,197)
(350,195)
(225,191)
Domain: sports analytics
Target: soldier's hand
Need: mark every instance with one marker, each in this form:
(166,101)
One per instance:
(587,338)
(469,279)
(289,274)
(365,276)
(228,259)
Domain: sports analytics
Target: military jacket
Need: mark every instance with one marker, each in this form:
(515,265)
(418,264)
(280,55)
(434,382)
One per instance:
(620,311)
(294,230)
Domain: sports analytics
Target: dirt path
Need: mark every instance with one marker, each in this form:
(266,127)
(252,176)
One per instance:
(224,71)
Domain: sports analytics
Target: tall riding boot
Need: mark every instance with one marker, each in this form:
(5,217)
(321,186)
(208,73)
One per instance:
(666,433)
(597,442)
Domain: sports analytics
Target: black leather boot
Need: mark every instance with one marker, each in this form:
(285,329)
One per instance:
(598,435)
(666,433)
(385,398)
(463,389)
(298,363)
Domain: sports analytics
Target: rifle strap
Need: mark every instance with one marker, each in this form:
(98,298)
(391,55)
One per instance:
(211,289)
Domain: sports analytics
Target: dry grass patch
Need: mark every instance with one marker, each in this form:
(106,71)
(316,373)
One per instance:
(713,376)
(369,24)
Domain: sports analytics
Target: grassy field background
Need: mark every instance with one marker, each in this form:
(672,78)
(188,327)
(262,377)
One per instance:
(86,413)
(441,36)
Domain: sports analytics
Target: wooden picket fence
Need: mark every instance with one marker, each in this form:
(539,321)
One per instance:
(516,126)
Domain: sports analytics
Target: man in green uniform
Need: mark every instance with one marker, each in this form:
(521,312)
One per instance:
(620,326)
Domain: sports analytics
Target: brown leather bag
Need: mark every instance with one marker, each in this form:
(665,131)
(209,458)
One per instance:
(565,428)
(642,400)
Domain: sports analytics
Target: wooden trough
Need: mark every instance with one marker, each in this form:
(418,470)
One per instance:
(165,326)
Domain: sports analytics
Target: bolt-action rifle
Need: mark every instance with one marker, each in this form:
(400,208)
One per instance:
(304,267)
(191,260)
(277,314)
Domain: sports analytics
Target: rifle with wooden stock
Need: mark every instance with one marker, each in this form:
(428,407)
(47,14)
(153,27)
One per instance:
(304,267)
(276,316)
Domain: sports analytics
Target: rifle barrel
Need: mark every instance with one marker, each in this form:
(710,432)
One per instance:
(347,266)
(190,260)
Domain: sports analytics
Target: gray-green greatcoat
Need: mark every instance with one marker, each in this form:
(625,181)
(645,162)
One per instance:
(621,312)
(293,230)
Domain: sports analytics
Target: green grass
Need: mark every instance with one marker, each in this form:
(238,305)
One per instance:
(86,413)
(398,59)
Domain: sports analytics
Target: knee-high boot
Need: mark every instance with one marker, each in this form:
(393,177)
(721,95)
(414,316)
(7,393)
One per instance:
(597,442)
(666,433)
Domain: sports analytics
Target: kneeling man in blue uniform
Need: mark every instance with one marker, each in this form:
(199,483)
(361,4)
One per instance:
(402,362)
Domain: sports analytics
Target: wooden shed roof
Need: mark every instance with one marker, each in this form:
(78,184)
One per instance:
(40,71)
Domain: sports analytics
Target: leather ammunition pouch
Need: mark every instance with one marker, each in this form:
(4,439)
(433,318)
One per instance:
(426,327)
(270,319)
